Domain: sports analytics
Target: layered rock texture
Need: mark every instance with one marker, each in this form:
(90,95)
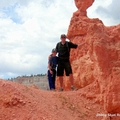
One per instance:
(96,63)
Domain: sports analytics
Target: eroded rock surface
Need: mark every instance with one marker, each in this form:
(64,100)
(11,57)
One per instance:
(97,62)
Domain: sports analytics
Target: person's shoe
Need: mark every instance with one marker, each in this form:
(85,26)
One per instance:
(61,89)
(52,89)
(74,88)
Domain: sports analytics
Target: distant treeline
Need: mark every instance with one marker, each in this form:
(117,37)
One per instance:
(26,76)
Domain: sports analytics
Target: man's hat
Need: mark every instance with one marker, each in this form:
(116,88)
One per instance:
(63,36)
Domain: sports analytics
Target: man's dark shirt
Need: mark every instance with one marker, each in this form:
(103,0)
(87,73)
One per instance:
(64,50)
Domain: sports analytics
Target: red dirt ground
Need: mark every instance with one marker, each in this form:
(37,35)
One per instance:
(19,102)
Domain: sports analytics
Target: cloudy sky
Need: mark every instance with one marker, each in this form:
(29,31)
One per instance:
(29,29)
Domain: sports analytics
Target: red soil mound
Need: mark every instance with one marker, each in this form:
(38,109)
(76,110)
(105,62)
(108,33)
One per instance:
(19,102)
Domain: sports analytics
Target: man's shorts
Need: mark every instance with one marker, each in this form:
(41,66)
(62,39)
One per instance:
(64,66)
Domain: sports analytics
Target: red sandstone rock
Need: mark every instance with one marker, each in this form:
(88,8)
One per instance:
(82,6)
(98,60)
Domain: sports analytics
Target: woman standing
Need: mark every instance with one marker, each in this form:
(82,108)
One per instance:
(52,63)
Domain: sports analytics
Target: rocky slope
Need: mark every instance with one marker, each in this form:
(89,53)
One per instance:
(19,102)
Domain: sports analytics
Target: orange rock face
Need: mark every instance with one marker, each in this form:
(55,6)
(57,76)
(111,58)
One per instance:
(82,5)
(97,62)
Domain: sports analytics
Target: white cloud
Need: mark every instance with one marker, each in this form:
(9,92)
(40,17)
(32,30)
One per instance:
(26,42)
(31,28)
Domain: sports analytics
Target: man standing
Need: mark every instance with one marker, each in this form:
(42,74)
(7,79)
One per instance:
(63,50)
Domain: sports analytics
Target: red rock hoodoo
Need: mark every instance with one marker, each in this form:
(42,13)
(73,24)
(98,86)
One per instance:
(96,64)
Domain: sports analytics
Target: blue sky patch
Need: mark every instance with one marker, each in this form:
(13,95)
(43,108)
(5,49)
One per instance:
(11,13)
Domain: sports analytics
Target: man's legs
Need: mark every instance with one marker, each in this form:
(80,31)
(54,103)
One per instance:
(72,82)
(71,79)
(67,67)
(61,83)
(60,73)
(68,70)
